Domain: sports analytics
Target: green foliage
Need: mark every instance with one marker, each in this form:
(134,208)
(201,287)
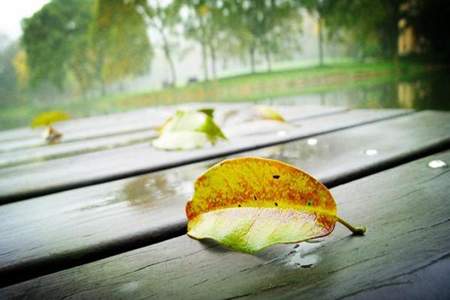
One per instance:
(370,27)
(119,37)
(429,18)
(85,41)
(8,80)
(270,27)
(56,43)
(164,19)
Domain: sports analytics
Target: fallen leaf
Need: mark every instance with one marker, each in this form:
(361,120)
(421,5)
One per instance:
(269,113)
(188,130)
(48,118)
(250,203)
(51,135)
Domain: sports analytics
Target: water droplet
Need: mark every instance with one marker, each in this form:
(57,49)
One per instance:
(303,256)
(129,287)
(434,164)
(312,142)
(281,133)
(371,152)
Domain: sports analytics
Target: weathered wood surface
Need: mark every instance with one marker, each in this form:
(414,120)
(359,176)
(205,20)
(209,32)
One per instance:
(64,229)
(89,128)
(404,253)
(37,154)
(65,149)
(61,174)
(137,121)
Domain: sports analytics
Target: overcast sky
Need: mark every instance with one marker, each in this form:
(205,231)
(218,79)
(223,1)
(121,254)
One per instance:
(12,11)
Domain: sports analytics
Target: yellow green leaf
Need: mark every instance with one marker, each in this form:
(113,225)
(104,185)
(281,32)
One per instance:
(267,112)
(250,203)
(48,118)
(189,130)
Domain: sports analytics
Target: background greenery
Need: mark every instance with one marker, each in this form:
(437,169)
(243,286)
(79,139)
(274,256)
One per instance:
(72,52)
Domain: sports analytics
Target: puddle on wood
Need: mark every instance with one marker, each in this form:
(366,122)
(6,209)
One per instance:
(282,133)
(436,164)
(51,152)
(168,185)
(129,287)
(312,141)
(302,255)
(371,152)
(292,256)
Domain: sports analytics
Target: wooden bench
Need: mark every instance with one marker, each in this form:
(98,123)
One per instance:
(111,223)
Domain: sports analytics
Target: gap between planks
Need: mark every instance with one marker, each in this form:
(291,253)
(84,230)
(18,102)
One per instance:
(22,182)
(401,246)
(107,248)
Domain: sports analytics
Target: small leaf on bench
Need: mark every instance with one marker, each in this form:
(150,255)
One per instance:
(269,113)
(50,134)
(250,203)
(189,130)
(48,118)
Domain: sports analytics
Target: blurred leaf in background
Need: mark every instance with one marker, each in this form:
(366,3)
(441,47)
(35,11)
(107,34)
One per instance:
(48,118)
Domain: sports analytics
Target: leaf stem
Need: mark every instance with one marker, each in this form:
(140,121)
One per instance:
(358,230)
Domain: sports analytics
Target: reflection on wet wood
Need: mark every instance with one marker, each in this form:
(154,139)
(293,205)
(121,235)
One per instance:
(87,128)
(125,214)
(404,253)
(47,177)
(27,151)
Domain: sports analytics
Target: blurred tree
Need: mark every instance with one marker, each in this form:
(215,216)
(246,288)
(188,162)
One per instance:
(429,18)
(200,26)
(8,75)
(319,8)
(119,38)
(264,26)
(163,19)
(56,43)
(373,25)
(21,68)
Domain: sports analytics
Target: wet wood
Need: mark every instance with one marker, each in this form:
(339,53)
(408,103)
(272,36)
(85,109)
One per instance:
(39,154)
(404,253)
(144,135)
(80,130)
(87,128)
(88,223)
(36,179)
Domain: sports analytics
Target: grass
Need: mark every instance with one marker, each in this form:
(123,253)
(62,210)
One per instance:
(246,87)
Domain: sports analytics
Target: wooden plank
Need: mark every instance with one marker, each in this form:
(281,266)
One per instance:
(92,128)
(66,229)
(405,253)
(134,121)
(61,174)
(38,154)
(48,152)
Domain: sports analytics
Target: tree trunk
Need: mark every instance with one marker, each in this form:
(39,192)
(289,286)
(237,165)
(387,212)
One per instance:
(390,32)
(212,52)
(99,75)
(205,61)
(168,55)
(102,87)
(173,75)
(268,59)
(320,40)
(252,59)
